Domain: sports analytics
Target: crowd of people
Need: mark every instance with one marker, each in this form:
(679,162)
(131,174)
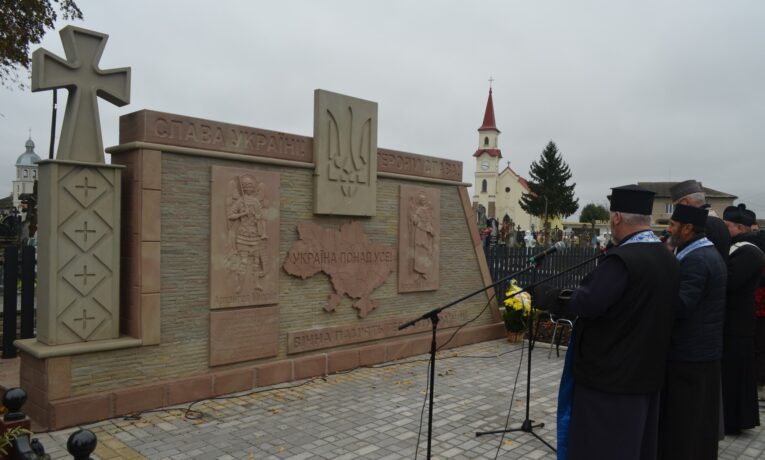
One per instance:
(668,348)
(505,234)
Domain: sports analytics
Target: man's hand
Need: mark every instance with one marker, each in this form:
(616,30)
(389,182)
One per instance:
(546,298)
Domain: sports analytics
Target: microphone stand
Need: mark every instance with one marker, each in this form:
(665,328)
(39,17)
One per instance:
(432,315)
(528,425)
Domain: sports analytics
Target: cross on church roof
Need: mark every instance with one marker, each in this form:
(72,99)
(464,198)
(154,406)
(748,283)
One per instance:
(79,73)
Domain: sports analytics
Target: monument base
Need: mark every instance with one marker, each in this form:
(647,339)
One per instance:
(47,379)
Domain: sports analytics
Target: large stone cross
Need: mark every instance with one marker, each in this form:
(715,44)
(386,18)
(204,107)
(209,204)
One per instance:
(79,73)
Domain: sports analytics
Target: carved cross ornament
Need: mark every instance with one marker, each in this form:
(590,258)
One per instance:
(79,73)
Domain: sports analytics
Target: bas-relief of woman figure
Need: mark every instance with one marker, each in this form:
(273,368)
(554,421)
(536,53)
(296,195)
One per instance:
(423,234)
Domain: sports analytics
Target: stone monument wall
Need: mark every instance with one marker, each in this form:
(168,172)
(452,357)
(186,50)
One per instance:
(192,346)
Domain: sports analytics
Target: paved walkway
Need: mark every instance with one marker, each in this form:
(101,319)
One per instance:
(370,413)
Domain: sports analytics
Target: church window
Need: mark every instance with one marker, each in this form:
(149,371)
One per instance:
(507,189)
(26,173)
(484,186)
(486,140)
(34,174)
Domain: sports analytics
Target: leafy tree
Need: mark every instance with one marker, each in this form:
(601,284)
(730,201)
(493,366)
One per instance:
(550,195)
(592,213)
(24,22)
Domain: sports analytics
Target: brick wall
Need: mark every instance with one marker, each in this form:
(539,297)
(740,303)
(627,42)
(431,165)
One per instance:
(184,263)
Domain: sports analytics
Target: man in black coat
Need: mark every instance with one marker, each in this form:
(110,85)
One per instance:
(690,193)
(608,406)
(759,299)
(690,413)
(745,265)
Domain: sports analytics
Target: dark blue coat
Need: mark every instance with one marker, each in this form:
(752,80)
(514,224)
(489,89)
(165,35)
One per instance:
(700,308)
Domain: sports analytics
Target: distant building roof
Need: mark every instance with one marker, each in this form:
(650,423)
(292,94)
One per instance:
(7,202)
(28,158)
(521,179)
(661,189)
(491,152)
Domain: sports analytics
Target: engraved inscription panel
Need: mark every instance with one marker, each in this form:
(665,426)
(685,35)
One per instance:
(244,237)
(330,337)
(419,237)
(355,265)
(183,131)
(243,334)
(411,164)
(180,130)
(345,152)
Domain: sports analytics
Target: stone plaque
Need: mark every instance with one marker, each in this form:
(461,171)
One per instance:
(243,334)
(183,131)
(419,237)
(345,153)
(244,237)
(330,337)
(355,265)
(411,164)
(200,133)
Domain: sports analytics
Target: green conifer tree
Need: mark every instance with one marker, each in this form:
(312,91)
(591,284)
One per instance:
(551,195)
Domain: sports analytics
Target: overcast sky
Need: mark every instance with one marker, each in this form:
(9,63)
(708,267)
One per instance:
(629,91)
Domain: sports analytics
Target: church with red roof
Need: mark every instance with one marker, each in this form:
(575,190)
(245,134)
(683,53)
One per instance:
(498,189)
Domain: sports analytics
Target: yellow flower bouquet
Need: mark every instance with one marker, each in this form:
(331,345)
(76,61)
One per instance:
(517,308)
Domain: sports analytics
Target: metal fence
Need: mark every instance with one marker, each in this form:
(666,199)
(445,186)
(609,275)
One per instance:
(504,261)
(18,278)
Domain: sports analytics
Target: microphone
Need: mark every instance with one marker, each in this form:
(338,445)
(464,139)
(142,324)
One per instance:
(536,258)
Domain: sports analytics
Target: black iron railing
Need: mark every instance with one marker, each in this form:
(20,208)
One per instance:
(503,261)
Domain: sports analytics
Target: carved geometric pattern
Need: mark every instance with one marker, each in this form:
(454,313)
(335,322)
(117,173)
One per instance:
(81,292)
(85,186)
(85,273)
(83,318)
(85,229)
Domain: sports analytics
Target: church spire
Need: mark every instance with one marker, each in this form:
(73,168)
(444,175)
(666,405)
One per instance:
(488,132)
(488,117)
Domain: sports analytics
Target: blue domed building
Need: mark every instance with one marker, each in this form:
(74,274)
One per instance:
(26,172)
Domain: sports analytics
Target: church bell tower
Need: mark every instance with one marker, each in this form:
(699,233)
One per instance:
(487,158)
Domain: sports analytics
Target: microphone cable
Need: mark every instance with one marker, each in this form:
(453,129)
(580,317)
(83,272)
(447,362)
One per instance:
(515,380)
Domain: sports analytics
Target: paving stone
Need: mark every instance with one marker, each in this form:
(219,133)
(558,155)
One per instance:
(370,413)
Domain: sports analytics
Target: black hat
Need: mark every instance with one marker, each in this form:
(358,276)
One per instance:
(690,215)
(739,215)
(751,215)
(631,199)
(684,188)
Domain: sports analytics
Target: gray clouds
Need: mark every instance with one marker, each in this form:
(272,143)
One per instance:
(629,91)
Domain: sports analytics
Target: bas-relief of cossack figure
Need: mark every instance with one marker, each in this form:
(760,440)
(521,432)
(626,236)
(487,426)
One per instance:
(244,237)
(247,235)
